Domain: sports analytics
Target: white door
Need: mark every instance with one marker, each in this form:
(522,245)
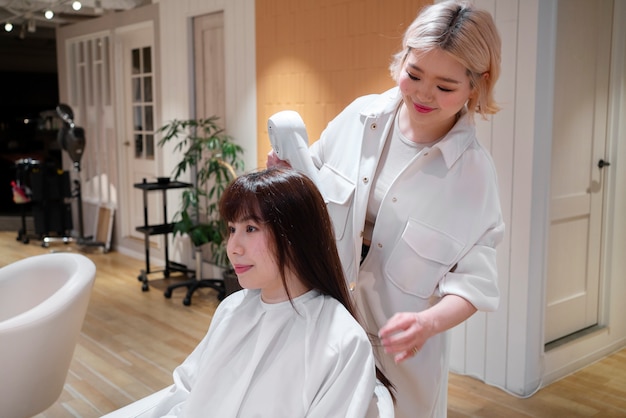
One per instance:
(208,64)
(581,91)
(136,104)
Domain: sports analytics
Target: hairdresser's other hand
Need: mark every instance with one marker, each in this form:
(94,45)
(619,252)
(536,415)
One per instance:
(274,161)
(405,333)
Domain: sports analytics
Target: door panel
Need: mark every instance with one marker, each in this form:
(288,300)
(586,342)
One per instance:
(209,69)
(579,140)
(209,66)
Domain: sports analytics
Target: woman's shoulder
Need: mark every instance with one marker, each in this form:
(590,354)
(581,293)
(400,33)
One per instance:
(235,301)
(338,321)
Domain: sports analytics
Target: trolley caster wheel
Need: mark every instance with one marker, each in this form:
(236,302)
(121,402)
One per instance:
(166,274)
(187,301)
(167,294)
(26,240)
(145,287)
(44,244)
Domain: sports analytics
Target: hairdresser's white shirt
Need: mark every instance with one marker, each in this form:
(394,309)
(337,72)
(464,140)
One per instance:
(271,360)
(435,234)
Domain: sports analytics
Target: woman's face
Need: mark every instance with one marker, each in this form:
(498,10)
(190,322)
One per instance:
(434,87)
(254,262)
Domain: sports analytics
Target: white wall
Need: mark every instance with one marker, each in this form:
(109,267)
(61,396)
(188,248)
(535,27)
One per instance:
(176,66)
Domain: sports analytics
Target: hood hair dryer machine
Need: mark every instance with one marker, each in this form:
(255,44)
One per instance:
(72,140)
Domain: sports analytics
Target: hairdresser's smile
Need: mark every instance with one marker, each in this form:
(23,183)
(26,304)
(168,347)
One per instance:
(422,108)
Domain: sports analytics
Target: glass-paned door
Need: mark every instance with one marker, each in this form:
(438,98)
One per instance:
(143,102)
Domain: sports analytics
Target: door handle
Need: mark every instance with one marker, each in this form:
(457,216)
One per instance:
(602,163)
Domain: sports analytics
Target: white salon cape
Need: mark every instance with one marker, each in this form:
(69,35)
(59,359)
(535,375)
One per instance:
(271,360)
(435,234)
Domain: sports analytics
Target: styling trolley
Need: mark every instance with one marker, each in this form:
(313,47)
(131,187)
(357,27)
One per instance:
(161,229)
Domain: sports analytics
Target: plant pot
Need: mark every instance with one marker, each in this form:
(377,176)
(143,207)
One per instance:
(198,257)
(231,282)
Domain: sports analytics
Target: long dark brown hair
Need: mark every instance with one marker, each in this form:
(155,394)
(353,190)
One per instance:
(291,207)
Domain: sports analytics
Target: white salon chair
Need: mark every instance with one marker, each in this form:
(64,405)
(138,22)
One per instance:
(381,406)
(43,301)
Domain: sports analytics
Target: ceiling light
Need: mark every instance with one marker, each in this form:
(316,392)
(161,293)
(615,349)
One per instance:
(76,5)
(8,27)
(49,14)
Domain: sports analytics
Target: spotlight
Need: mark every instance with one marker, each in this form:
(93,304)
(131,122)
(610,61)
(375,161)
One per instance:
(49,14)
(8,27)
(76,5)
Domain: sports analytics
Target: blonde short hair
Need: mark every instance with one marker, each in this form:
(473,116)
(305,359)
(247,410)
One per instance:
(468,35)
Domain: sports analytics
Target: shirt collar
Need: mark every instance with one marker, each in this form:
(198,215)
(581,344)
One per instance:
(457,139)
(451,146)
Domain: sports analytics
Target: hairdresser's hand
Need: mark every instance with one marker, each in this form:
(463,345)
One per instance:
(405,333)
(274,161)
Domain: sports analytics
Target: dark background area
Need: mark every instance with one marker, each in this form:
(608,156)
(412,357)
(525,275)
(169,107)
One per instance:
(29,95)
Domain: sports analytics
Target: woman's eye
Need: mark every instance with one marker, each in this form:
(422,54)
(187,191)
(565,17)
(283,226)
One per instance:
(444,89)
(411,76)
(250,228)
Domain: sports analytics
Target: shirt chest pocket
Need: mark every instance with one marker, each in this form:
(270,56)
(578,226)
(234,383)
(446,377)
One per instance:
(338,192)
(420,258)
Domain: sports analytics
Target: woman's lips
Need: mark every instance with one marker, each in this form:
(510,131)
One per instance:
(239,269)
(422,108)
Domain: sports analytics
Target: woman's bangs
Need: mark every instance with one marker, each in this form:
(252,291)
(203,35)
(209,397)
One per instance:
(241,205)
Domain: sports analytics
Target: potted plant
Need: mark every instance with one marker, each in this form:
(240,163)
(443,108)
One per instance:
(213,160)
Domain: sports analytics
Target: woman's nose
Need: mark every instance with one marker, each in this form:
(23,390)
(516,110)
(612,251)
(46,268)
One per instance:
(233,245)
(424,93)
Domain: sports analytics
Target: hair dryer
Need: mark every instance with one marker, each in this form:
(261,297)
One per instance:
(291,143)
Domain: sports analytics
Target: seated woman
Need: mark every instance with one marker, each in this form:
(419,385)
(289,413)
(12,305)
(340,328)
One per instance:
(288,345)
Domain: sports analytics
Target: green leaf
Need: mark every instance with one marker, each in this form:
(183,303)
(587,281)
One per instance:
(211,156)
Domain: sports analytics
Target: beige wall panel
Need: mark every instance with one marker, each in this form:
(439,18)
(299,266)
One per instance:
(316,56)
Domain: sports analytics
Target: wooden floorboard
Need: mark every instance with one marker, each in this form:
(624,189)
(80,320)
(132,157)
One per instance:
(132,340)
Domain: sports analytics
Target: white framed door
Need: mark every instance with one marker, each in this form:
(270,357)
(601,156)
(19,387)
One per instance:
(209,67)
(581,96)
(209,73)
(136,115)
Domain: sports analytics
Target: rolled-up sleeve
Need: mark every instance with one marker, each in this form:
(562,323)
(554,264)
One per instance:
(475,276)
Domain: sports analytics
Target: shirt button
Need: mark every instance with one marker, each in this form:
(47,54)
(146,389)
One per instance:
(352,286)
(365,180)
(394,199)
(373,126)
(380,245)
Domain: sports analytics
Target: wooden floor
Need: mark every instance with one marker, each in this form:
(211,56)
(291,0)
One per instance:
(132,340)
